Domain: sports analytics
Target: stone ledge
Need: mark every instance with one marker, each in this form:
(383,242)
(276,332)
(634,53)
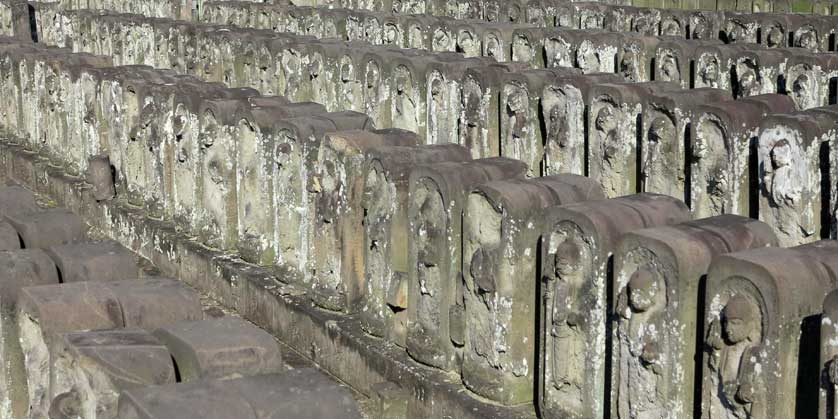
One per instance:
(334,342)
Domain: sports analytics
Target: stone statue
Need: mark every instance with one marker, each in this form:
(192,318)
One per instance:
(516,127)
(732,346)
(569,328)
(404,105)
(641,306)
(670,71)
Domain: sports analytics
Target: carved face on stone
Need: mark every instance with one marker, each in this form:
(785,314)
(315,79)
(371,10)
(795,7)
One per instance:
(373,77)
(670,27)
(807,38)
(514,13)
(734,31)
(557,124)
(403,81)
(748,79)
(802,90)
(493,48)
(606,120)
(516,101)
(670,71)
(590,61)
(590,21)
(643,24)
(701,29)
(523,49)
(740,320)
(642,290)
(414,37)
(628,65)
(557,53)
(391,34)
(661,131)
(442,41)
(710,71)
(781,154)
(492,11)
(467,43)
(776,38)
(568,259)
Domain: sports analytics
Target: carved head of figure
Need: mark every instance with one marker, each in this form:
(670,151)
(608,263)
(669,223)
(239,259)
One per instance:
(642,290)
(568,260)
(414,37)
(437,93)
(807,38)
(557,52)
(467,43)
(391,34)
(590,21)
(606,120)
(493,48)
(741,320)
(628,64)
(441,40)
(514,13)
(661,131)
(492,11)
(372,76)
(523,50)
(557,121)
(481,270)
(781,154)
(516,102)
(589,60)
(643,24)
(710,71)
(669,68)
(775,38)
(734,31)
(403,81)
(670,27)
(701,29)
(801,90)
(748,79)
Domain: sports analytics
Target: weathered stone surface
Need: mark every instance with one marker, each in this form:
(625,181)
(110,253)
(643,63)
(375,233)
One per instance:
(336,193)
(385,207)
(762,337)
(675,60)
(657,306)
(521,134)
(222,348)
(17,200)
(46,312)
(292,394)
(479,118)
(828,357)
(20,269)
(296,150)
(565,103)
(100,175)
(437,198)
(444,83)
(614,124)
(90,369)
(720,181)
(667,118)
(48,228)
(502,222)
(94,261)
(635,57)
(257,140)
(576,253)
(791,151)
(809,77)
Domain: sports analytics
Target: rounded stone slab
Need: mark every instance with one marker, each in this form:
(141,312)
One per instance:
(130,357)
(9,240)
(98,261)
(23,268)
(16,200)
(48,228)
(296,394)
(155,302)
(220,348)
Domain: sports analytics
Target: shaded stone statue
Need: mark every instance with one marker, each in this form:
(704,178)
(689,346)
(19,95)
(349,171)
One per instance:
(569,328)
(642,384)
(733,346)
(516,127)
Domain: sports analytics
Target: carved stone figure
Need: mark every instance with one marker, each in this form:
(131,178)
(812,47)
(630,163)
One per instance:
(498,254)
(658,272)
(578,244)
